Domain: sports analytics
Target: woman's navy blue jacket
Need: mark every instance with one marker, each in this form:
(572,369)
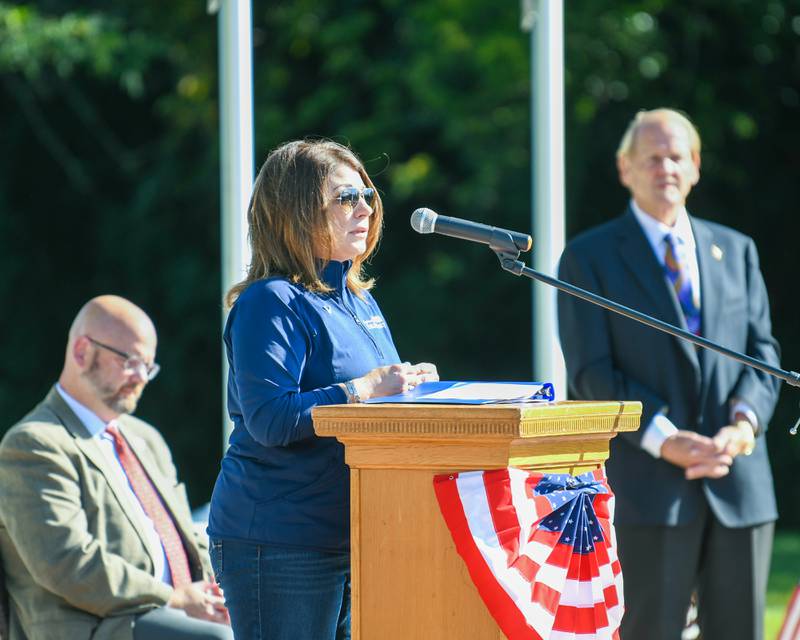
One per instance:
(287,349)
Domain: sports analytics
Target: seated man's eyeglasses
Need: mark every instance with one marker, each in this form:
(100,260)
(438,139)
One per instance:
(131,363)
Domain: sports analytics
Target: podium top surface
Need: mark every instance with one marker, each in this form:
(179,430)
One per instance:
(505,421)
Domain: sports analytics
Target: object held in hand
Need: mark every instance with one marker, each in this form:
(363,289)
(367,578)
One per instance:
(748,436)
(793,430)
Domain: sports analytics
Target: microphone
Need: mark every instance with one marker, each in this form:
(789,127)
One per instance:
(426,221)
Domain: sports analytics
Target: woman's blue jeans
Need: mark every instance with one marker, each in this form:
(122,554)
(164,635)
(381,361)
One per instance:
(283,593)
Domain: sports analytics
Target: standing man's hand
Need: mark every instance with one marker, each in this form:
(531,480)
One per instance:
(700,456)
(736,439)
(203,600)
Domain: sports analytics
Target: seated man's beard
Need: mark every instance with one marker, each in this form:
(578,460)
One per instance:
(122,399)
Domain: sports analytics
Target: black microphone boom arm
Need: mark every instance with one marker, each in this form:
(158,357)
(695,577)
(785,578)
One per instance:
(510,263)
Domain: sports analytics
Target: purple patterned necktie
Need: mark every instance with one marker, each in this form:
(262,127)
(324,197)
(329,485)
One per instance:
(677,269)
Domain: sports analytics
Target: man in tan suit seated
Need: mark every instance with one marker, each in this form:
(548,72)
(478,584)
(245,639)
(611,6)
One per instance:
(96,535)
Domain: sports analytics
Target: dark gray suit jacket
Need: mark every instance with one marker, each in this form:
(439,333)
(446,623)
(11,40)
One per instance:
(610,357)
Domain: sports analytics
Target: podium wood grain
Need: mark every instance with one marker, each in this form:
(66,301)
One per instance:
(408,581)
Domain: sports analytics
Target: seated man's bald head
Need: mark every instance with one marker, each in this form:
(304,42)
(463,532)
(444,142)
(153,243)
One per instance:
(111,316)
(110,355)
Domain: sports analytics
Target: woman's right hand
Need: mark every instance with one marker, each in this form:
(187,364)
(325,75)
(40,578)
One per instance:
(395,378)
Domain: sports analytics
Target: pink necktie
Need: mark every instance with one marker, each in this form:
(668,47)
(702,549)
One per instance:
(154,508)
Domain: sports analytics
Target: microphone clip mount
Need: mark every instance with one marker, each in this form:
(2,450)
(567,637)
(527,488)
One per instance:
(509,259)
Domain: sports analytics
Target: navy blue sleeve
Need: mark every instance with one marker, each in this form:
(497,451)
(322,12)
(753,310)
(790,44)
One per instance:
(270,346)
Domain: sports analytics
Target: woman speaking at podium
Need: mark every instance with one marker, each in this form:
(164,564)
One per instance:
(303,330)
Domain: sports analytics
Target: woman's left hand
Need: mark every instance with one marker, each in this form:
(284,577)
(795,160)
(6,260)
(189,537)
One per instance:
(424,372)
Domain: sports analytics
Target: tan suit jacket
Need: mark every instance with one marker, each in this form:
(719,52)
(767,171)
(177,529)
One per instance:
(76,560)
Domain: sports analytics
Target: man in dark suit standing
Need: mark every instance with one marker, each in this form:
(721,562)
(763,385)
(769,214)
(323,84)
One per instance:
(695,507)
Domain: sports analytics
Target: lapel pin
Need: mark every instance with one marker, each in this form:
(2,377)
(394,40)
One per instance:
(716,252)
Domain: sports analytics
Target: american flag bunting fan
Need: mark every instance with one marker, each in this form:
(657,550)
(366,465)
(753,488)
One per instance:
(540,548)
(790,629)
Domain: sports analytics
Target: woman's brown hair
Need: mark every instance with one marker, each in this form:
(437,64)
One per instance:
(289,229)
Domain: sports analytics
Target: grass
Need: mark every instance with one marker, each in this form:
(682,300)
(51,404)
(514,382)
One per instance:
(783,577)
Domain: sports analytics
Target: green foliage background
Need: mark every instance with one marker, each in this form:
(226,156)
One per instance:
(110,163)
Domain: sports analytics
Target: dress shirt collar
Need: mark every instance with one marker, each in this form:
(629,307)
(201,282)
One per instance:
(94,425)
(656,230)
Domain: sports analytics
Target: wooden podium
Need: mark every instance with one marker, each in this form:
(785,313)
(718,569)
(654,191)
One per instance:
(408,581)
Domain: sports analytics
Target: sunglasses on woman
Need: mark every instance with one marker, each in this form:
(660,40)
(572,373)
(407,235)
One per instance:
(350,196)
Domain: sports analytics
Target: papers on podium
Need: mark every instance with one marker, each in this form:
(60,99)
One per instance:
(450,392)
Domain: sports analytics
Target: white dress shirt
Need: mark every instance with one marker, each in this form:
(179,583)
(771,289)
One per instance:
(661,427)
(97,428)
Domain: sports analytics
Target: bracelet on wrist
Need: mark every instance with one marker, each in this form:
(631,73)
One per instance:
(352,391)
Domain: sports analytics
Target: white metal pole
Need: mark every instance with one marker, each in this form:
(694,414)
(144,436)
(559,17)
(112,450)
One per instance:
(236,152)
(547,138)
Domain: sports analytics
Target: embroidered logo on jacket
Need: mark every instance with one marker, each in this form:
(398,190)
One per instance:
(375,322)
